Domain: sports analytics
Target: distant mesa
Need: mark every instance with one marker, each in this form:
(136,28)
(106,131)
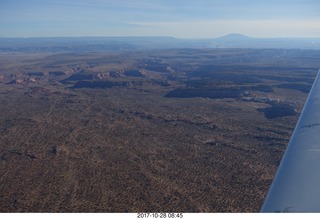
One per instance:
(98,84)
(77,77)
(214,93)
(234,41)
(35,74)
(235,36)
(133,73)
(56,73)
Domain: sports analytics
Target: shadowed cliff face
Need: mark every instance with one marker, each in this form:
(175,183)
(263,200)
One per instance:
(206,93)
(278,110)
(98,84)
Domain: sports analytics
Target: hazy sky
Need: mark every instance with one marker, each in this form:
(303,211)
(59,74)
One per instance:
(178,18)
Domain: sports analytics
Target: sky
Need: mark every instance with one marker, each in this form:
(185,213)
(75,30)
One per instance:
(176,18)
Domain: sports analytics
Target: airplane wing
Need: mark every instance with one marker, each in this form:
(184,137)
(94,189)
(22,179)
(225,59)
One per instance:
(296,186)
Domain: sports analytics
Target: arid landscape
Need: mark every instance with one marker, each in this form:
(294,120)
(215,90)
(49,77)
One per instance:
(171,130)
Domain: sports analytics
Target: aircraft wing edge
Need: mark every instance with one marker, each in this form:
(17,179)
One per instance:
(296,186)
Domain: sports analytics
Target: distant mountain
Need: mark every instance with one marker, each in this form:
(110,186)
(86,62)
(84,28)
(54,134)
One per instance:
(96,44)
(243,41)
(235,36)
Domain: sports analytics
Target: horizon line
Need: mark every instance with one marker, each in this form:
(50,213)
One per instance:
(155,36)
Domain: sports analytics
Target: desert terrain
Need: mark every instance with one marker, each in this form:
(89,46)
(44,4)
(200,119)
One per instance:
(172,130)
